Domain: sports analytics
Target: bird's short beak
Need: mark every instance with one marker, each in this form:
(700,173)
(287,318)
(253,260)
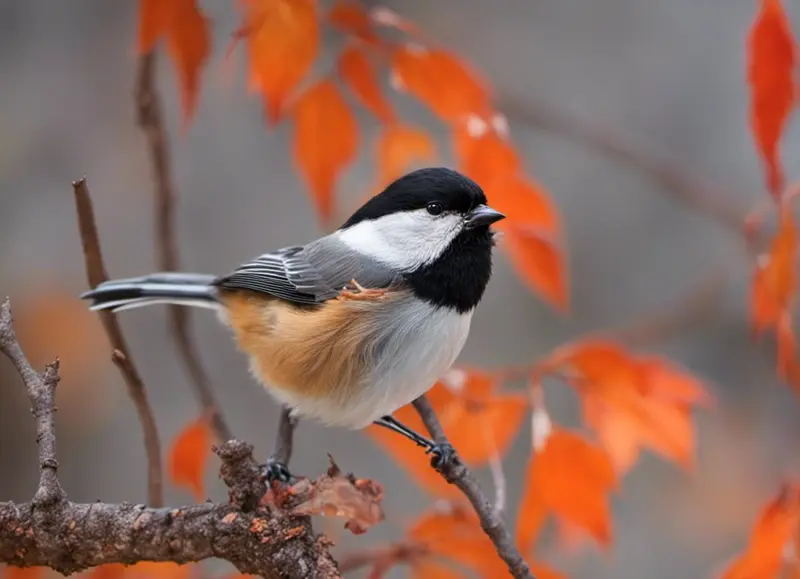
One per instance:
(482,215)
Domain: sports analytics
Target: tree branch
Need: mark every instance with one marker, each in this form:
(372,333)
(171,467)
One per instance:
(455,472)
(96,274)
(68,537)
(698,193)
(151,121)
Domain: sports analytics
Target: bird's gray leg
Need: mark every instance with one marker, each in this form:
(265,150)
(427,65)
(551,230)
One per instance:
(442,453)
(277,468)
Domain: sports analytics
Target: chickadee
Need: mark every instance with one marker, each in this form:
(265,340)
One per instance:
(350,327)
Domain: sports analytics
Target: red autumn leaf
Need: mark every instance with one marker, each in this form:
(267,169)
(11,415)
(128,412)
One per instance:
(155,19)
(188,457)
(481,422)
(775,527)
(775,278)
(282,39)
(357,71)
(325,140)
(440,81)
(524,202)
(771,61)
(398,147)
(634,401)
(539,263)
(667,381)
(352,18)
(335,495)
(484,154)
(570,478)
(188,40)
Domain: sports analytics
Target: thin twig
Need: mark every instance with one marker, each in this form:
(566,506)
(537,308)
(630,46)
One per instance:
(151,121)
(96,274)
(701,194)
(42,393)
(397,553)
(285,440)
(455,472)
(498,476)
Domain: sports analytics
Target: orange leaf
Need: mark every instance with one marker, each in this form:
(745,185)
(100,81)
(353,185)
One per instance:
(282,41)
(188,40)
(357,71)
(666,381)
(188,457)
(629,402)
(770,66)
(571,478)
(479,430)
(155,19)
(398,147)
(24,572)
(152,570)
(483,154)
(776,525)
(440,81)
(351,18)
(108,571)
(775,277)
(618,432)
(189,45)
(539,263)
(524,202)
(325,140)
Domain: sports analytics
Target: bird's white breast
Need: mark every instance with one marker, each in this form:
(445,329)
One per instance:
(411,344)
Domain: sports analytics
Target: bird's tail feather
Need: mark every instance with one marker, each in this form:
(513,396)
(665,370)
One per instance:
(183,289)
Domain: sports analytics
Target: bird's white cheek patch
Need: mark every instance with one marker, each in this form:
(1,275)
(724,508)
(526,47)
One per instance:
(405,240)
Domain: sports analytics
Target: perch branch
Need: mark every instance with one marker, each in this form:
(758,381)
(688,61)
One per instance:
(151,121)
(96,274)
(455,472)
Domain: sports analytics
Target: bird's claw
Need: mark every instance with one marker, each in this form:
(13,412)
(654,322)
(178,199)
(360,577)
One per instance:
(275,470)
(443,455)
(360,293)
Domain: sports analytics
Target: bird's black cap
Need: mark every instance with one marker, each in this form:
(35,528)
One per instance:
(456,192)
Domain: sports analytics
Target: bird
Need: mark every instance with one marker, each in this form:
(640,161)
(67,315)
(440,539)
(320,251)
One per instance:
(350,327)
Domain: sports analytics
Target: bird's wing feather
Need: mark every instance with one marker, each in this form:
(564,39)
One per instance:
(308,274)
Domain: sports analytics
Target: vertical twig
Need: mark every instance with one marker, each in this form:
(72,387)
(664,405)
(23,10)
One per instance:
(41,390)
(151,121)
(96,274)
(455,472)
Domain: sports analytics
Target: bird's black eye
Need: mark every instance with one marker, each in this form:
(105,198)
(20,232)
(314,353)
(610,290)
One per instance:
(434,208)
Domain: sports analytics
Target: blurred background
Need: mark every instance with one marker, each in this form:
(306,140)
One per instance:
(668,77)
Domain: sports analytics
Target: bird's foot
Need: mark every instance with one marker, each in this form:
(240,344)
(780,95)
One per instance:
(443,455)
(275,470)
(361,292)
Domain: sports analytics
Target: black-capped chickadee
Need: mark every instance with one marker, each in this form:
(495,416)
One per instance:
(352,326)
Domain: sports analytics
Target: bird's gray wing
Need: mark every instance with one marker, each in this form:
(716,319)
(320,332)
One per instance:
(308,274)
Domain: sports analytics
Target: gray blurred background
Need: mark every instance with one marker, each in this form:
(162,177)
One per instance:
(667,75)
